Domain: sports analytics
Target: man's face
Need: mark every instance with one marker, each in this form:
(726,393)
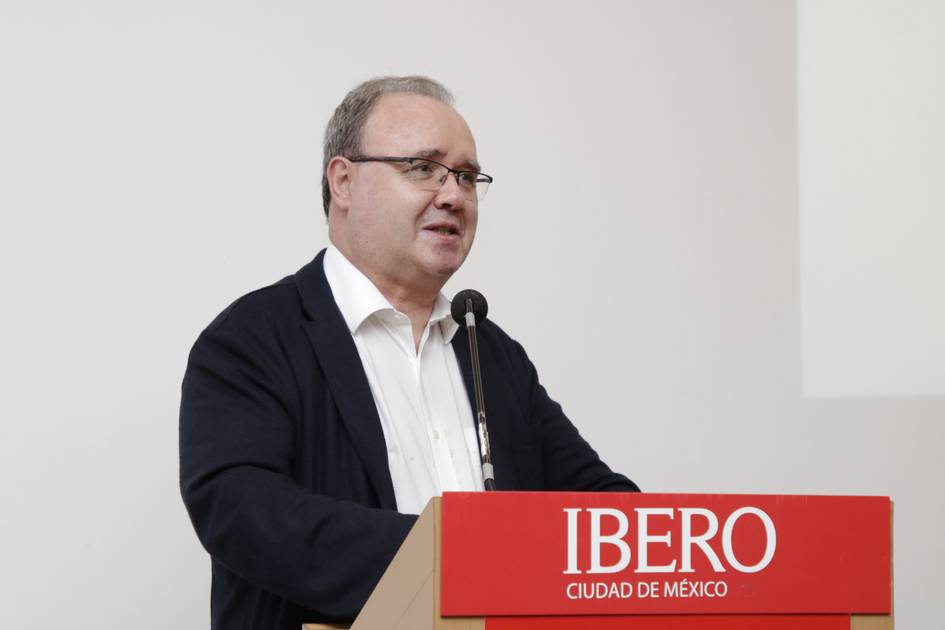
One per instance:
(397,234)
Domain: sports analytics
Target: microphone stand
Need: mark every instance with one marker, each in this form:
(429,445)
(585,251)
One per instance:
(485,453)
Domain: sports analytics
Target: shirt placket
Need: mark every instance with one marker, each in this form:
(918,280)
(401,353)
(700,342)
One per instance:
(439,444)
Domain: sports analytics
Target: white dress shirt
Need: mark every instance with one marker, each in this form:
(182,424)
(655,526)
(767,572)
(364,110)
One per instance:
(418,391)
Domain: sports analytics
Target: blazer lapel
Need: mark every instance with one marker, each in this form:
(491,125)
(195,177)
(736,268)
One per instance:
(344,373)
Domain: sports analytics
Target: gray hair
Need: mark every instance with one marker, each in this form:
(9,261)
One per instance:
(343,133)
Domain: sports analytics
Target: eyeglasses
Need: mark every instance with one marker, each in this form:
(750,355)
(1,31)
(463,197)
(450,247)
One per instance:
(430,175)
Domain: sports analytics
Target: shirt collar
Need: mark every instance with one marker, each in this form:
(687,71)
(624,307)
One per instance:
(358,298)
(442,314)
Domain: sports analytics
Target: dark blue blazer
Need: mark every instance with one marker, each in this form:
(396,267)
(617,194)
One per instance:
(283,464)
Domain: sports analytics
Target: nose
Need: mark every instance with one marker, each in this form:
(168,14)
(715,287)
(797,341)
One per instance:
(450,196)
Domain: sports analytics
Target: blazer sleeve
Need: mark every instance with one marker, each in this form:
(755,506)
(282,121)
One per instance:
(239,409)
(568,462)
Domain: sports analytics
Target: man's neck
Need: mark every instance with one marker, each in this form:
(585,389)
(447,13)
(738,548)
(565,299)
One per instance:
(417,305)
(415,299)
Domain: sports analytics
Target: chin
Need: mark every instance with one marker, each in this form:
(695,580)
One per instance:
(446,272)
(443,266)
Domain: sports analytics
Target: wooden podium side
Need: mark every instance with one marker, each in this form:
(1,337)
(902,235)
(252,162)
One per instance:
(408,595)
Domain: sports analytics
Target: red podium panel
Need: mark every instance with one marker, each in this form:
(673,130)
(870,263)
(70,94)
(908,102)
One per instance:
(673,622)
(552,554)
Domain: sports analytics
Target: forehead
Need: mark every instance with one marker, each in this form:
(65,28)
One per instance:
(410,124)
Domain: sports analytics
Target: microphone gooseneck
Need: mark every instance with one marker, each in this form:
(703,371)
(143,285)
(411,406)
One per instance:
(469,308)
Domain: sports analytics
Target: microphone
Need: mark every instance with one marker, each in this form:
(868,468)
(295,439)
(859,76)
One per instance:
(469,308)
(468,300)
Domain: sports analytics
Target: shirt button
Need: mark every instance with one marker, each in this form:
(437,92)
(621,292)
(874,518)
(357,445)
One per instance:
(436,434)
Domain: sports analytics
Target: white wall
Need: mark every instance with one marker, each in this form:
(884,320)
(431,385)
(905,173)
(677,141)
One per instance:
(871,113)
(641,240)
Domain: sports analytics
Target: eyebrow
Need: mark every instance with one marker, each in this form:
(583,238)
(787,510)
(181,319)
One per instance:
(439,154)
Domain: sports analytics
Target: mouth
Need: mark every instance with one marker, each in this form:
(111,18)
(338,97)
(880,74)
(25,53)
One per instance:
(443,229)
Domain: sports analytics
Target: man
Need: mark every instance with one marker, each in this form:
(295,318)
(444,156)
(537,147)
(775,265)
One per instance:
(320,414)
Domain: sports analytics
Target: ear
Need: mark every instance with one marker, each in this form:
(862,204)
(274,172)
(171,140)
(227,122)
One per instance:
(339,174)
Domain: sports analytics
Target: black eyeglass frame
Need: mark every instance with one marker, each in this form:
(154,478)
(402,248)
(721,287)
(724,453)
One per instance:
(481,178)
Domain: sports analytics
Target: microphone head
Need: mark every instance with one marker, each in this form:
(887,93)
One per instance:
(459,306)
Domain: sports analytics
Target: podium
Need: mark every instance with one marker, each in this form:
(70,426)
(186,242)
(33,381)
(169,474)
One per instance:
(621,561)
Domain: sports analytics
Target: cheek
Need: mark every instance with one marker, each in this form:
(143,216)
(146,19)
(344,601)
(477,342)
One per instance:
(472,222)
(380,225)
(367,198)
(369,212)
